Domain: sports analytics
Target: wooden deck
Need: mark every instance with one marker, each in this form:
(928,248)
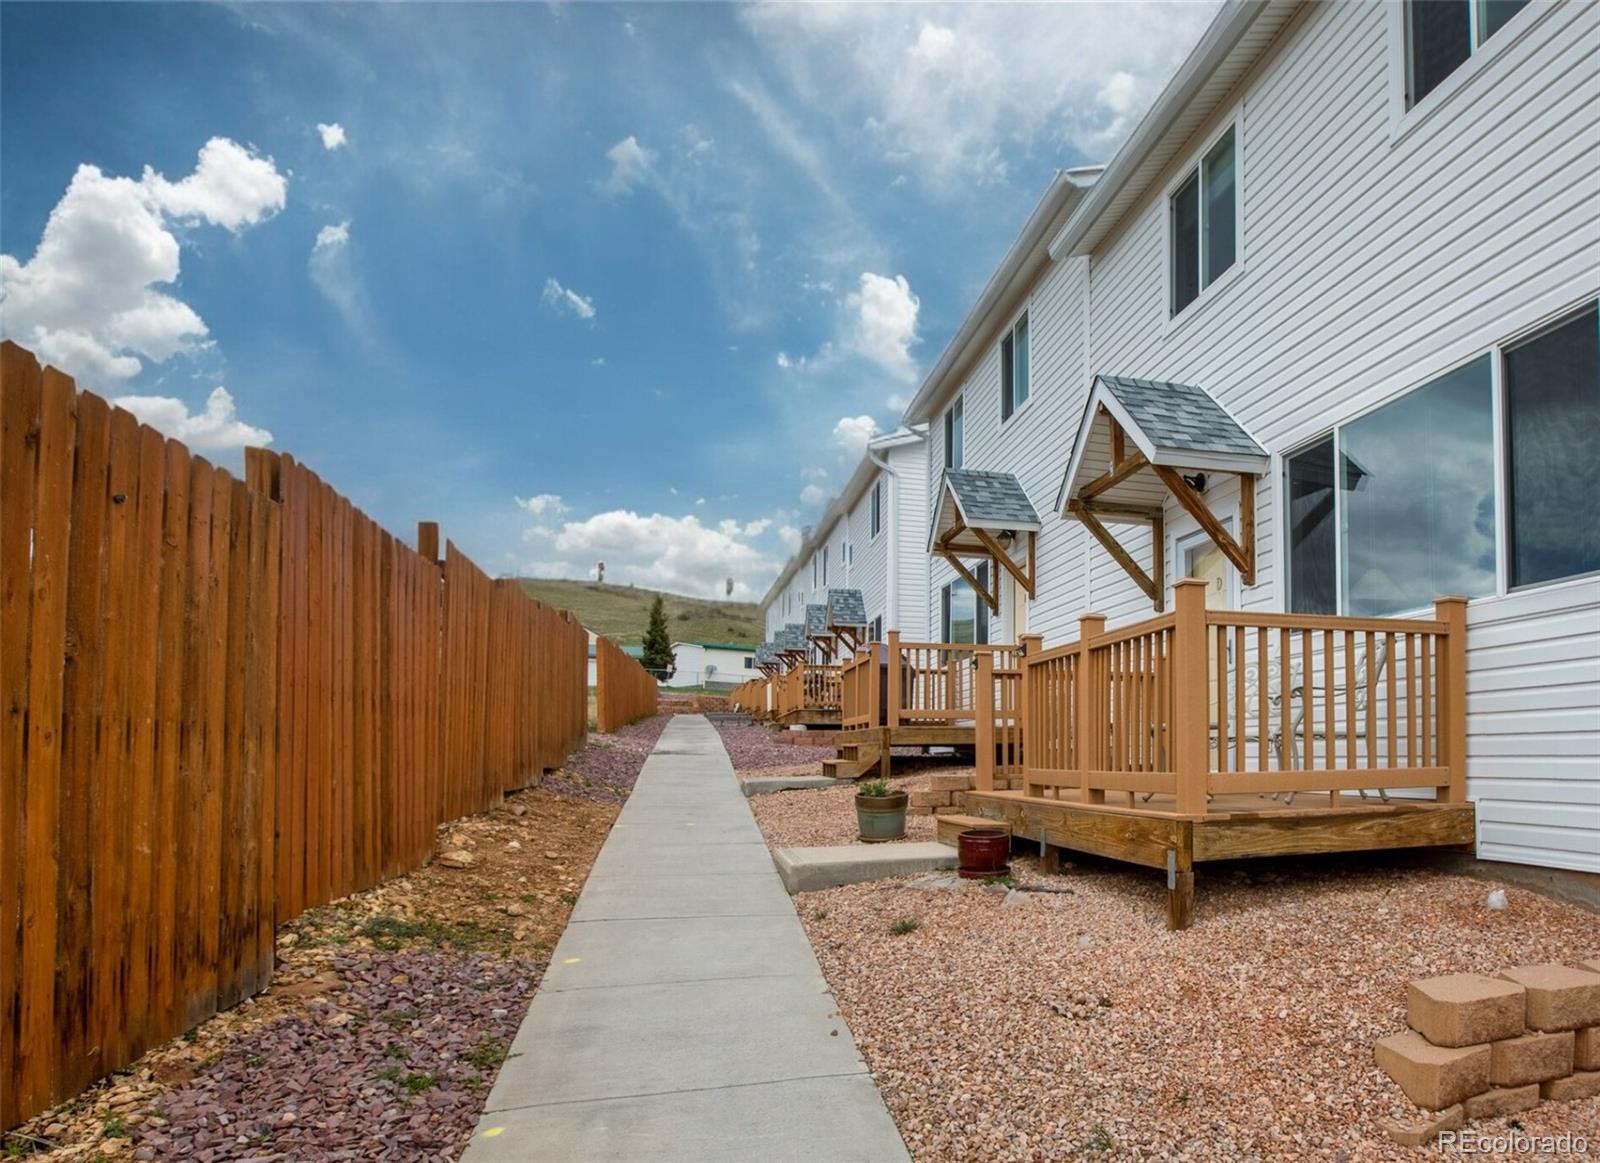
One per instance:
(1234,826)
(863,751)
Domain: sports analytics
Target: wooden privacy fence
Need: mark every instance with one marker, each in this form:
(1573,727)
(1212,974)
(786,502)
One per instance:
(224,702)
(1199,703)
(624,691)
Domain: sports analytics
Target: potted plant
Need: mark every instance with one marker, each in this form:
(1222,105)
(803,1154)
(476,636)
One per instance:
(880,812)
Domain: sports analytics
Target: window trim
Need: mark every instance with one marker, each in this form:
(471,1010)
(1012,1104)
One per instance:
(1404,120)
(1191,166)
(1025,312)
(875,511)
(949,431)
(1496,350)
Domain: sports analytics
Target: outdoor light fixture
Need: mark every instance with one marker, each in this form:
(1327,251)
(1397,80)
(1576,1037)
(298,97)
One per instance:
(1197,482)
(1007,536)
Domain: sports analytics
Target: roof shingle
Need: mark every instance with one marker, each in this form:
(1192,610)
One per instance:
(1180,416)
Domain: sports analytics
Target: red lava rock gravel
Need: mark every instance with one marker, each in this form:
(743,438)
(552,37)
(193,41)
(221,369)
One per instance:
(751,747)
(607,766)
(394,1063)
(1069,1026)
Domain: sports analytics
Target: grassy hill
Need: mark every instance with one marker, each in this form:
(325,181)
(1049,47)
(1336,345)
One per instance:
(621,612)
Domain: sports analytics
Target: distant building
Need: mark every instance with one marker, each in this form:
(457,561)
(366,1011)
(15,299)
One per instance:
(721,664)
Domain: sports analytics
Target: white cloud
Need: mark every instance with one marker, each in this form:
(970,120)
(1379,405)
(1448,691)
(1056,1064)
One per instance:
(332,135)
(947,93)
(86,301)
(330,237)
(559,298)
(884,323)
(630,165)
(543,504)
(678,554)
(898,402)
(216,429)
(789,537)
(598,361)
(851,433)
(813,494)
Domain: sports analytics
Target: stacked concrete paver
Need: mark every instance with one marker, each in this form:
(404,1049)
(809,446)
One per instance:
(946,795)
(1487,1047)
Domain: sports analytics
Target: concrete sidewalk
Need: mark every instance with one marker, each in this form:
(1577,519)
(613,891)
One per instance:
(683,1016)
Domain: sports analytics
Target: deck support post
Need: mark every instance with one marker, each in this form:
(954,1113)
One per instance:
(1452,611)
(983,720)
(1090,727)
(1180,879)
(1190,718)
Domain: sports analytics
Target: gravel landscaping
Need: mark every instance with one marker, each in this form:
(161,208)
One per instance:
(1074,1025)
(752,747)
(798,819)
(391,1010)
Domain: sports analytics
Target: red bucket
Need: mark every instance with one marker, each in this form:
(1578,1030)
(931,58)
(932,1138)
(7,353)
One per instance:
(984,852)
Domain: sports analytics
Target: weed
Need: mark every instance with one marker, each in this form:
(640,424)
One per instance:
(390,1074)
(569,898)
(526,898)
(819,914)
(487,1054)
(255,1059)
(1099,1141)
(903,926)
(1004,878)
(115,1128)
(401,1018)
(394,1050)
(417,1083)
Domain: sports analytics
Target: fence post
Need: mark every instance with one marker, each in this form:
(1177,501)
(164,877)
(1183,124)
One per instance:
(428,540)
(983,720)
(1452,611)
(1091,720)
(1190,716)
(892,720)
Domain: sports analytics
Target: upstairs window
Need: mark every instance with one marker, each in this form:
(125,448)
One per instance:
(877,507)
(1014,368)
(824,565)
(875,630)
(1205,222)
(1442,34)
(952,435)
(1552,411)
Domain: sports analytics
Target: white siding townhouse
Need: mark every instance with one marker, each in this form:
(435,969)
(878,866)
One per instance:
(869,538)
(1333,305)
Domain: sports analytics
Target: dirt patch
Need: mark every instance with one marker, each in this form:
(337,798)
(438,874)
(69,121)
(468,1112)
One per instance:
(1074,1025)
(391,1010)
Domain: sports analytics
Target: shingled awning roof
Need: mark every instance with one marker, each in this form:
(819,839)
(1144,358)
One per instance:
(1177,426)
(984,514)
(1142,442)
(847,610)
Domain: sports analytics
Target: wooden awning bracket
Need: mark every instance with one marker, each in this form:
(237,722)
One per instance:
(1242,553)
(1151,586)
(1000,559)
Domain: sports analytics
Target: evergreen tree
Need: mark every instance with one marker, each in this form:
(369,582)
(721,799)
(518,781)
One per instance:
(658,658)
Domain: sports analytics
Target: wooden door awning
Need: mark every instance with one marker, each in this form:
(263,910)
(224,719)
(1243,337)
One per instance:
(1144,441)
(817,631)
(985,515)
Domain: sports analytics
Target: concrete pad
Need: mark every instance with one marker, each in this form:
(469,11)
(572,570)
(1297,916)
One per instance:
(808,869)
(805,1120)
(651,1039)
(605,954)
(764,784)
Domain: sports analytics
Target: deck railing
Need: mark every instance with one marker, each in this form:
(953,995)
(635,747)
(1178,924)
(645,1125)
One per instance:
(1201,702)
(807,687)
(749,697)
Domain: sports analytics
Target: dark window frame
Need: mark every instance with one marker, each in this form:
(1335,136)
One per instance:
(1010,402)
(1189,229)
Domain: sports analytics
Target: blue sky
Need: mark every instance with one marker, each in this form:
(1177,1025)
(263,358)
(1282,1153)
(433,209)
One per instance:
(582,282)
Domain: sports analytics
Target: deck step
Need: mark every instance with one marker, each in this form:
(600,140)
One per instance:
(951,826)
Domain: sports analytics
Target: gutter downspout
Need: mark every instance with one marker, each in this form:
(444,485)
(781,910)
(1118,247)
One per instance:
(891,612)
